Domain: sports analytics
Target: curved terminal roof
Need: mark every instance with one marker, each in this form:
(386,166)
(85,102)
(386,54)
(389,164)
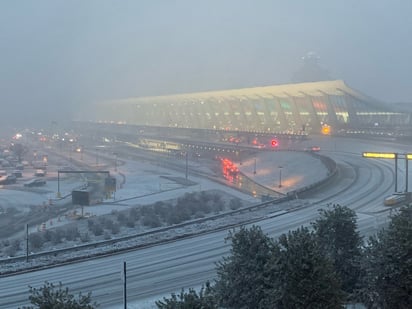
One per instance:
(336,87)
(278,107)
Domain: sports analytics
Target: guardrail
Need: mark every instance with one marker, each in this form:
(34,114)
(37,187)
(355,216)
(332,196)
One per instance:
(332,171)
(328,162)
(129,237)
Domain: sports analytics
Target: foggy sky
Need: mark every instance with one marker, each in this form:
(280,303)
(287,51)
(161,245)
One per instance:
(56,56)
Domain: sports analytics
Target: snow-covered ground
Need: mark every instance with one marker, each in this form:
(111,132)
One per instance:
(140,183)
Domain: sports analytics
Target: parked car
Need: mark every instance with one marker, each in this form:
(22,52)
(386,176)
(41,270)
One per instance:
(5,163)
(17,173)
(36,182)
(8,180)
(40,173)
(19,167)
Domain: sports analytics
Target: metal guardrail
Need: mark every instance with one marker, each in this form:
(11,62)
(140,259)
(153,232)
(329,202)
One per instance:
(329,163)
(159,230)
(332,171)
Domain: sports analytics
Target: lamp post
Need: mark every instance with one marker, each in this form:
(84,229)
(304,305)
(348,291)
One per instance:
(115,161)
(280,176)
(239,153)
(187,164)
(254,168)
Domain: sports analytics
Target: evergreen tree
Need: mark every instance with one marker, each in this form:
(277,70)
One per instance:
(387,281)
(300,276)
(337,236)
(190,300)
(241,282)
(50,296)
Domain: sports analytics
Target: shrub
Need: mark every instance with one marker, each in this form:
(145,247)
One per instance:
(16,244)
(217,199)
(121,217)
(151,220)
(71,233)
(160,208)
(106,235)
(115,228)
(235,203)
(173,218)
(10,251)
(97,229)
(90,223)
(85,237)
(108,224)
(36,240)
(130,222)
(134,213)
(57,236)
(47,235)
(182,210)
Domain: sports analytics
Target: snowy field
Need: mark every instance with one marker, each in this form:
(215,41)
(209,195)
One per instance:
(140,183)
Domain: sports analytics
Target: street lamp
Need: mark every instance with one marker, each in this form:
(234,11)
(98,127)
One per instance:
(239,153)
(115,161)
(254,168)
(187,164)
(280,176)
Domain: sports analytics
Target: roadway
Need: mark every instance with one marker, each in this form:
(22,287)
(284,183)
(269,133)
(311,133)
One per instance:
(160,270)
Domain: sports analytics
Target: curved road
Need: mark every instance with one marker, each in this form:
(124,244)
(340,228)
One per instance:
(160,270)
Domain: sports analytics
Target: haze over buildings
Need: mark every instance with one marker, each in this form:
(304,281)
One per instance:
(57,56)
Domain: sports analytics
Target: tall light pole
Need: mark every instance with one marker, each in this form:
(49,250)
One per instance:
(115,161)
(187,164)
(254,168)
(280,176)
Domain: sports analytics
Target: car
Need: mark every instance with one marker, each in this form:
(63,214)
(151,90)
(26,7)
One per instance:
(8,180)
(17,173)
(36,182)
(5,163)
(19,167)
(40,173)
(396,199)
(313,149)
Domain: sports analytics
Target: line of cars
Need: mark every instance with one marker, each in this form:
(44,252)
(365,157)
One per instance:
(7,179)
(11,169)
(11,178)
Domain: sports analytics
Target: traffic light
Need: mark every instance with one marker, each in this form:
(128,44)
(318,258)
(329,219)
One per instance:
(274,143)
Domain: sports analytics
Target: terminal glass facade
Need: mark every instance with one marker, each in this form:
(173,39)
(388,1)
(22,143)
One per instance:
(283,108)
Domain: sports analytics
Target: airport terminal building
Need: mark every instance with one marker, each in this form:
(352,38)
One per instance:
(280,108)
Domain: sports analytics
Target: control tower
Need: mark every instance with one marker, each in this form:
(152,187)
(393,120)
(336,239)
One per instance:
(311,70)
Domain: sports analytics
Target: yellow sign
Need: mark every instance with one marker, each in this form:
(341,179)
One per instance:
(326,130)
(379,155)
